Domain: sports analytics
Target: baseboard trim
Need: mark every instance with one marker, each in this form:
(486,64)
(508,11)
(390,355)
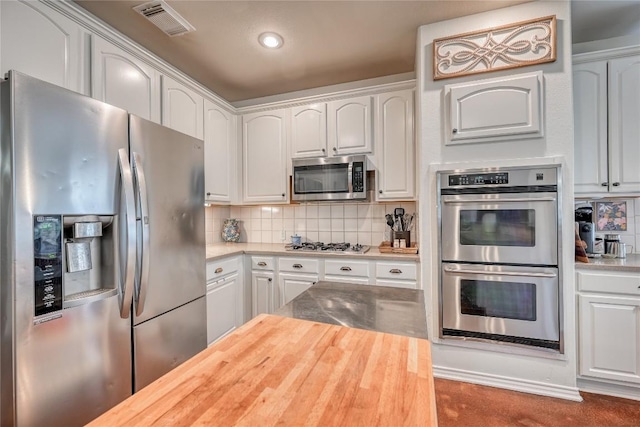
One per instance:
(515,384)
(609,389)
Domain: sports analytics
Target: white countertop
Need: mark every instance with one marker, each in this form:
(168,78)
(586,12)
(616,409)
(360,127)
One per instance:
(220,250)
(630,263)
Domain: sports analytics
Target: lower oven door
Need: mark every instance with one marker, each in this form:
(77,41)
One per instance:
(503,303)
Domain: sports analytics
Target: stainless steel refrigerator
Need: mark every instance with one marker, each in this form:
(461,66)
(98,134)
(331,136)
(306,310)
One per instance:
(102,253)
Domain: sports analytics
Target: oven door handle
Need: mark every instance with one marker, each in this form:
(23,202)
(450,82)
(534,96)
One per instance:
(448,199)
(499,273)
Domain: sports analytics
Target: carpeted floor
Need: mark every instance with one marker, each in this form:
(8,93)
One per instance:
(470,405)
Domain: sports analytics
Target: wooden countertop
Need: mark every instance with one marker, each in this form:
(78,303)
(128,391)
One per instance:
(290,372)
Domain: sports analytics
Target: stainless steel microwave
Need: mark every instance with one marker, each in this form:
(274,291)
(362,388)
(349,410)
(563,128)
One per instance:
(330,178)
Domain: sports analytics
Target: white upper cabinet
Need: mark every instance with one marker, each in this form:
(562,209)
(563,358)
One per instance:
(590,130)
(350,126)
(624,124)
(219,153)
(182,108)
(41,43)
(120,79)
(606,110)
(264,157)
(395,145)
(497,109)
(309,131)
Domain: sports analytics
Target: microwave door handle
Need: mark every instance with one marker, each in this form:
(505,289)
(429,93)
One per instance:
(144,222)
(498,273)
(127,283)
(449,199)
(350,177)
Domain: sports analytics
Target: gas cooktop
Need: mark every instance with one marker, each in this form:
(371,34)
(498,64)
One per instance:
(343,248)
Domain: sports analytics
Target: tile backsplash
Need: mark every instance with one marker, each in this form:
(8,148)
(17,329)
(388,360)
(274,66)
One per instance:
(362,223)
(630,236)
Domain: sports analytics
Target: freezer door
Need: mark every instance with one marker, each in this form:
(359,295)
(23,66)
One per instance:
(169,167)
(162,343)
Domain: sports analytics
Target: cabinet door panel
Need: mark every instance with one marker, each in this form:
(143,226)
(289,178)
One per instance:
(39,42)
(515,109)
(265,172)
(222,309)
(395,145)
(350,126)
(309,131)
(263,292)
(219,136)
(590,119)
(624,124)
(182,108)
(291,286)
(610,337)
(120,79)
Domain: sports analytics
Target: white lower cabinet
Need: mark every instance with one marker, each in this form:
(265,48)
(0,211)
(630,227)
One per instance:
(263,288)
(225,297)
(397,274)
(609,326)
(296,275)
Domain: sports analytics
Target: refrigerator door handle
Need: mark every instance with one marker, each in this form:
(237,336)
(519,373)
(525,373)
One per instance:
(126,284)
(141,291)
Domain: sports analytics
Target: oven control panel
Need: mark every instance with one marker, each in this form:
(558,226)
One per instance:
(479,179)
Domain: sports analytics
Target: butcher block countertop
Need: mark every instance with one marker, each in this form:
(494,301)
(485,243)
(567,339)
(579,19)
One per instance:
(291,372)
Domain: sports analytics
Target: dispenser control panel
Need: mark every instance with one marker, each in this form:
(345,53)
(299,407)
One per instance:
(47,263)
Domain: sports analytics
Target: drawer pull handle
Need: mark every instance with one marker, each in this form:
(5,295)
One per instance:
(219,270)
(345,268)
(297,266)
(262,264)
(395,271)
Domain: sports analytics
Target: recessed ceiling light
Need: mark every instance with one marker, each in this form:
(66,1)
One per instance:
(270,40)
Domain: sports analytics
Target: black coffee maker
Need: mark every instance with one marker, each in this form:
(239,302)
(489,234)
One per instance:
(586,227)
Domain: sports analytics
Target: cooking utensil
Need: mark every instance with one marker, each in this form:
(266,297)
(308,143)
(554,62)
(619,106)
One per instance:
(399,213)
(390,221)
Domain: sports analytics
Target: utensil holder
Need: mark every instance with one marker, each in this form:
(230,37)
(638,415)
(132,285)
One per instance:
(401,238)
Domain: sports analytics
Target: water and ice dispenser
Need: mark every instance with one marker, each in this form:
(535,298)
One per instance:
(74,259)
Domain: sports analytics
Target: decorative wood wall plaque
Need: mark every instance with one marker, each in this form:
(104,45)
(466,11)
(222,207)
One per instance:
(500,48)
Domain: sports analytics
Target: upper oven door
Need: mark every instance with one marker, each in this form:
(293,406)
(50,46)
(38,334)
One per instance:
(506,228)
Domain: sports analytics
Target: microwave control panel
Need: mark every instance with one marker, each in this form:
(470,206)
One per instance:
(47,263)
(358,177)
(479,179)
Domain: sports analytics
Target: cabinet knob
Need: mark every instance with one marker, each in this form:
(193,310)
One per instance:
(270,279)
(262,264)
(345,268)
(454,130)
(283,194)
(616,184)
(218,270)
(323,150)
(380,191)
(604,184)
(208,194)
(297,265)
(395,271)
(335,149)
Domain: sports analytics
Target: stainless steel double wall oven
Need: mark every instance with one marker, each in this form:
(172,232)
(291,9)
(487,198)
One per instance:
(499,277)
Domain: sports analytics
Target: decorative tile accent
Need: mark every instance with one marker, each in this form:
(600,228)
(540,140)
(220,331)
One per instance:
(509,46)
(612,216)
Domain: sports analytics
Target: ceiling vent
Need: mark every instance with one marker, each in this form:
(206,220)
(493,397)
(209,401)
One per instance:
(165,18)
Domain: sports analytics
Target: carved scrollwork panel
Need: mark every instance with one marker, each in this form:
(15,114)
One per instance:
(510,46)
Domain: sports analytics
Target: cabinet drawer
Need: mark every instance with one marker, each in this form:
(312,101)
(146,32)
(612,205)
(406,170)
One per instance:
(396,270)
(299,265)
(263,263)
(609,282)
(346,268)
(221,267)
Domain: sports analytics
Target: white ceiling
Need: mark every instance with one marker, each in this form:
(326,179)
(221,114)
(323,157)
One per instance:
(326,42)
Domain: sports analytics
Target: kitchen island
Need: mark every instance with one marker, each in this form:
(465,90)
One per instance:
(286,371)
